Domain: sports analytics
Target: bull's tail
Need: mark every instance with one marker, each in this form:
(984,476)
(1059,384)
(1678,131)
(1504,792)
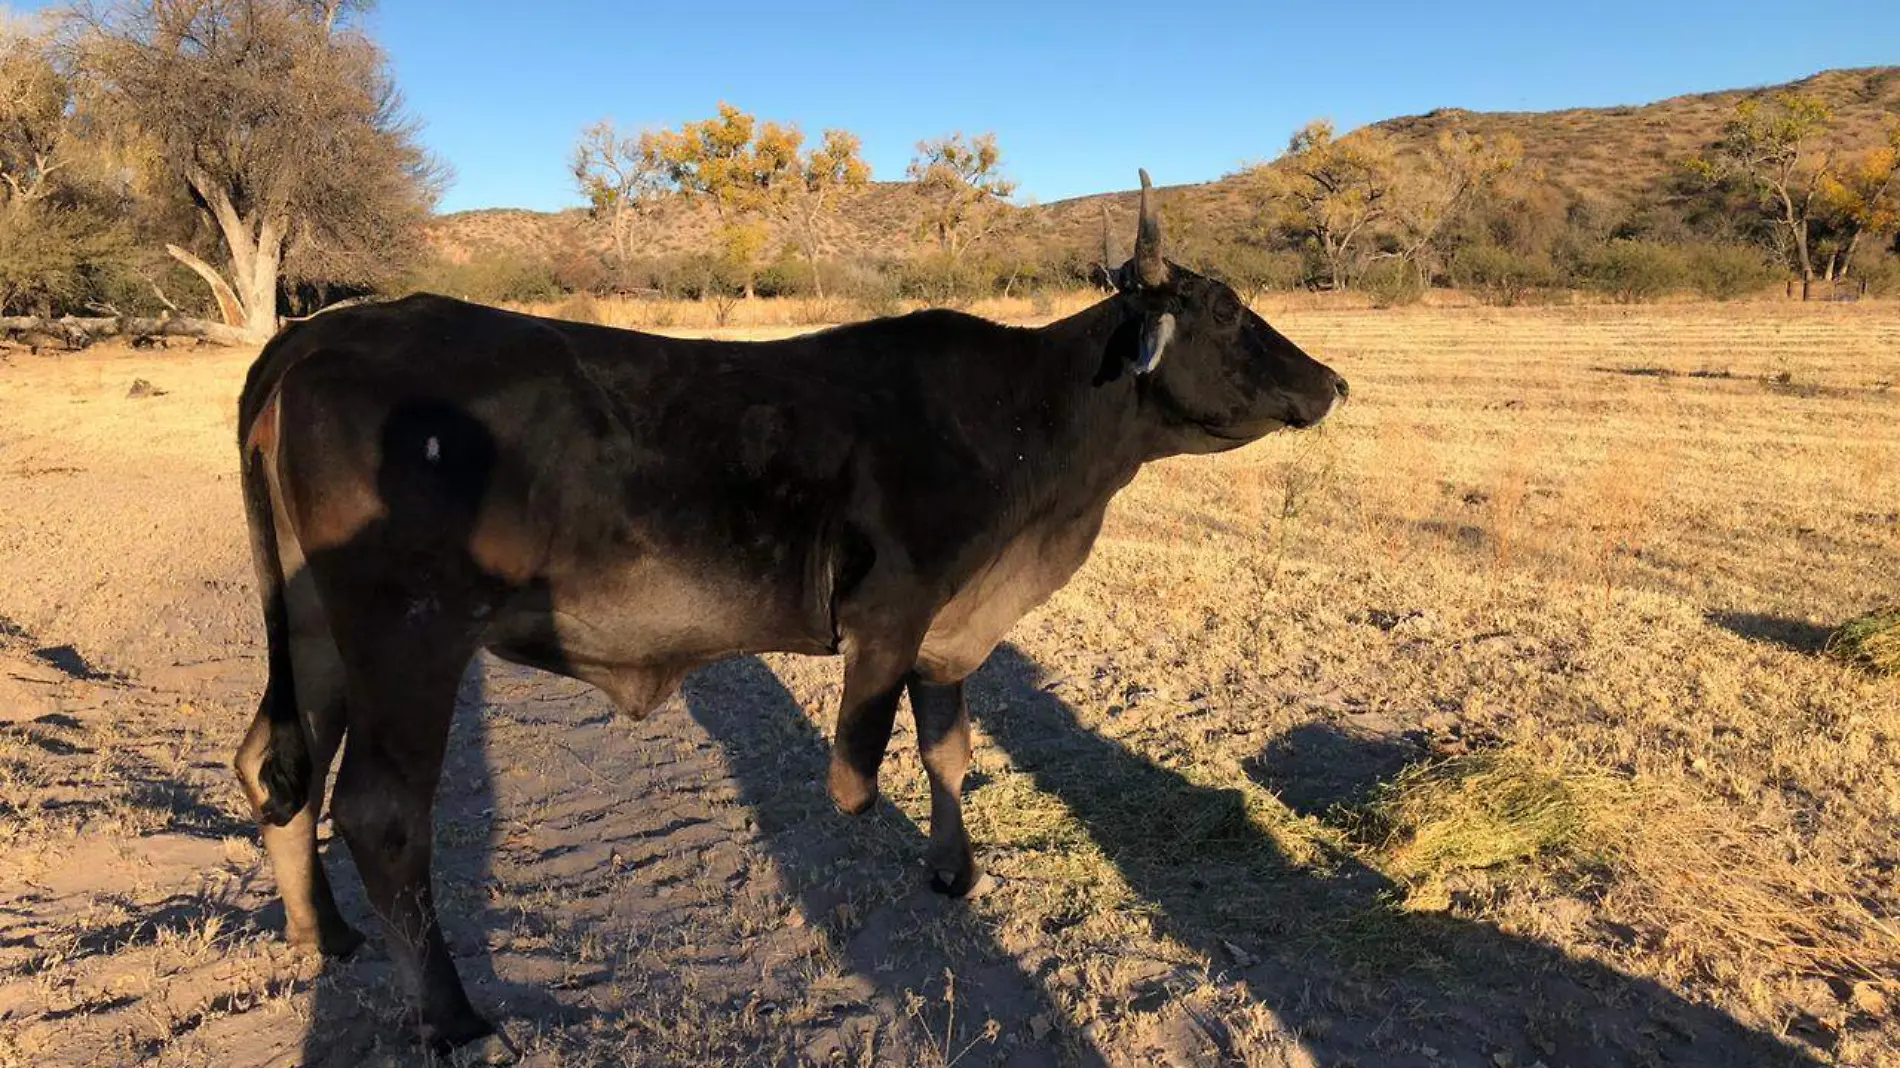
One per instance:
(283,777)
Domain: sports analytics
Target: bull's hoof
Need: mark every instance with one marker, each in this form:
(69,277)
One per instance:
(469,1040)
(854,794)
(490,1049)
(338,942)
(968,882)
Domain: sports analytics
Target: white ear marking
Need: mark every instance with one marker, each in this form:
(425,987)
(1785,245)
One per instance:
(1155,335)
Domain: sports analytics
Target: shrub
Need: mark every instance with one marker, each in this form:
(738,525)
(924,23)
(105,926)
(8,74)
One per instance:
(1724,272)
(1496,275)
(580,308)
(1392,283)
(1881,271)
(938,279)
(1632,272)
(786,276)
(1252,269)
(54,260)
(878,297)
(493,279)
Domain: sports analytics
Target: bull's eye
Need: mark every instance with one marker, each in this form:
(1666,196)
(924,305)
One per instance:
(1226,306)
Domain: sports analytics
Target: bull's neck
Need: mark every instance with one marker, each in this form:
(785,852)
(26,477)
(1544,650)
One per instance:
(1101,380)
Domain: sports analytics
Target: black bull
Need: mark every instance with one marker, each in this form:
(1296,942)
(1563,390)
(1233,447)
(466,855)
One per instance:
(427,478)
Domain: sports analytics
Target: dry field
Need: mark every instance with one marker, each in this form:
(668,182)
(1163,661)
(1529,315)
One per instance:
(1489,725)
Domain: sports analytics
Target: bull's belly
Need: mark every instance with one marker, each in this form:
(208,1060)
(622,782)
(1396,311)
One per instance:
(635,636)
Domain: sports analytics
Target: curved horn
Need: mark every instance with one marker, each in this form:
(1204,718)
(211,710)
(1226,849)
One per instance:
(1150,268)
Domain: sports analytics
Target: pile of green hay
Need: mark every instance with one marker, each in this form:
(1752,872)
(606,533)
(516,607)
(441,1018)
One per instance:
(1871,642)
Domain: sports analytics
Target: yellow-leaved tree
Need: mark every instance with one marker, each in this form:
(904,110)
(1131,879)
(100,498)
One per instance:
(806,200)
(1442,182)
(965,192)
(1863,199)
(750,171)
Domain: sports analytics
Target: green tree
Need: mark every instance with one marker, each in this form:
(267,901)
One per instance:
(1328,192)
(276,120)
(1775,149)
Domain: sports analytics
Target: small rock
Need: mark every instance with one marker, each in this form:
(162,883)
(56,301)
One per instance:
(1039,1027)
(492,1049)
(1241,957)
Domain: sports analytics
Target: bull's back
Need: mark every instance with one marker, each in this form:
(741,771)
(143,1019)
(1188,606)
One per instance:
(614,502)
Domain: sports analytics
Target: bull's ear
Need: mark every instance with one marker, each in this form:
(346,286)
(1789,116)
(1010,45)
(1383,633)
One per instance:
(1157,329)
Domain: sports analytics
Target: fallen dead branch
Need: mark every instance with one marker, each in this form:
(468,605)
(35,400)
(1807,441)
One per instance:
(75,332)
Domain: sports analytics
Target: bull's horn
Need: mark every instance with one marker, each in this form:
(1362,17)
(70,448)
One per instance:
(1150,268)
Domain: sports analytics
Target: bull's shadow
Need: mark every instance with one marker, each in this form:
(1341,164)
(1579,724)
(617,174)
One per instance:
(1324,946)
(834,865)
(356,1008)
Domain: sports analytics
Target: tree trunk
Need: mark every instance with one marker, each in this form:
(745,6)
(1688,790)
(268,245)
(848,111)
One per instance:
(229,307)
(1800,228)
(260,294)
(1847,254)
(817,282)
(256,244)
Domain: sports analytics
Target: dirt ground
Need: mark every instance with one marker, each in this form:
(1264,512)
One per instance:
(1577,564)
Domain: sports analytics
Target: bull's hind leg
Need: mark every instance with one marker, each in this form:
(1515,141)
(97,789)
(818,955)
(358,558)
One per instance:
(402,685)
(311,917)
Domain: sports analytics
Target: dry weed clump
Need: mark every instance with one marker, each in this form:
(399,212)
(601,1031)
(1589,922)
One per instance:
(1871,642)
(1489,809)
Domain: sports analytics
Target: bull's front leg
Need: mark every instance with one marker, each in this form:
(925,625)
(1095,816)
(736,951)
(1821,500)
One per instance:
(943,739)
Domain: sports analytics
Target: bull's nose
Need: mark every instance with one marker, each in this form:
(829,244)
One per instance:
(1340,387)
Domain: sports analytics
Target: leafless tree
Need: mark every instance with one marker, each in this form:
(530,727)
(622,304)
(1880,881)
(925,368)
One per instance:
(622,176)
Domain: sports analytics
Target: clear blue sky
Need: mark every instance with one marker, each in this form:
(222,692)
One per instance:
(1079,92)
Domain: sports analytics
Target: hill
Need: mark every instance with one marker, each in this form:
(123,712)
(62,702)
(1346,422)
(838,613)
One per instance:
(1612,158)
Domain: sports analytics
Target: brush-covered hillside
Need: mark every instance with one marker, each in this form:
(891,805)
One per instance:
(1613,158)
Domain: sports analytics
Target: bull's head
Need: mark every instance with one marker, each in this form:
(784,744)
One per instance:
(1218,373)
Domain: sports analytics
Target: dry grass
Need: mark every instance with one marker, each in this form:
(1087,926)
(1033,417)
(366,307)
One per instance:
(1514,671)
